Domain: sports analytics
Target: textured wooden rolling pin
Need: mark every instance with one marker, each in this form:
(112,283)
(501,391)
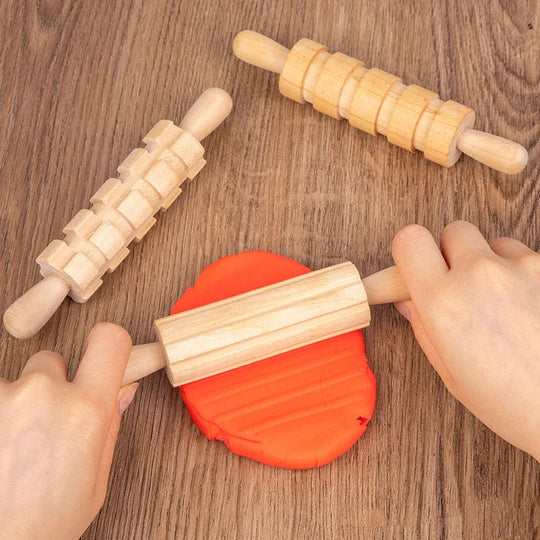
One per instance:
(243,329)
(122,211)
(378,102)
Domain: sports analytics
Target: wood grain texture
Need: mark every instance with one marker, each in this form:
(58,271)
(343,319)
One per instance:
(81,82)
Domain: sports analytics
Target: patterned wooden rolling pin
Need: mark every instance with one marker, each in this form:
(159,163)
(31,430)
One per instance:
(122,211)
(378,102)
(265,322)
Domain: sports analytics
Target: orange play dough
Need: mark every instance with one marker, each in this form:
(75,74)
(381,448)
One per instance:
(297,410)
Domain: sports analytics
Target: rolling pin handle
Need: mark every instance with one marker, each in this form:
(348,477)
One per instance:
(144,360)
(28,314)
(260,51)
(496,152)
(207,113)
(385,287)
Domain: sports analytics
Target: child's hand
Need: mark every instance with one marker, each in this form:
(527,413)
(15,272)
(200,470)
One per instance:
(57,438)
(475,311)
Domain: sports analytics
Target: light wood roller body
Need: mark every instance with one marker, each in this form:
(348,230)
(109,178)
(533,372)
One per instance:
(265,322)
(379,103)
(122,211)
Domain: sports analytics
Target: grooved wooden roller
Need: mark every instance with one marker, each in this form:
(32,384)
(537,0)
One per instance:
(265,322)
(377,102)
(122,211)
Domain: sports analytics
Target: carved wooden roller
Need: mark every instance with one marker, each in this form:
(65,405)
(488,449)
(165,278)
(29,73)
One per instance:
(265,322)
(379,103)
(122,211)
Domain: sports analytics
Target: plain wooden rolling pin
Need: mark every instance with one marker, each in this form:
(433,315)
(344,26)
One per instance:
(122,211)
(378,102)
(265,322)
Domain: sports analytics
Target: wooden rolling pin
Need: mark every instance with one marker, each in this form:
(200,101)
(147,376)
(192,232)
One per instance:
(378,102)
(122,211)
(262,323)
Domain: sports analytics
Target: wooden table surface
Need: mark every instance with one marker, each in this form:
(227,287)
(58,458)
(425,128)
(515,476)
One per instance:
(82,82)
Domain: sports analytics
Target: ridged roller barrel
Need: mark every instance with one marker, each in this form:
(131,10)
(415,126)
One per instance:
(123,209)
(262,323)
(375,101)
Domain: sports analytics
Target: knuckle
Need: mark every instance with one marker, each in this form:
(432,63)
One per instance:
(503,240)
(37,387)
(113,332)
(49,356)
(486,267)
(487,273)
(89,412)
(454,227)
(530,263)
(408,235)
(442,300)
(43,360)
(458,224)
(40,381)
(498,242)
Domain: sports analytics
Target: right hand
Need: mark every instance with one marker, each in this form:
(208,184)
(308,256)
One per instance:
(475,311)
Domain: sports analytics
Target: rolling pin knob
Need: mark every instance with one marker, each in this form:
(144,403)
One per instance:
(385,286)
(260,51)
(144,360)
(27,315)
(207,113)
(496,152)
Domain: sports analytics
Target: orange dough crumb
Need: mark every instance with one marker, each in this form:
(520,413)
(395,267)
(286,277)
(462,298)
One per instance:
(298,410)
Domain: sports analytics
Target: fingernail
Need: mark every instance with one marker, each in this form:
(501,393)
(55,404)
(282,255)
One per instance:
(126,395)
(404,310)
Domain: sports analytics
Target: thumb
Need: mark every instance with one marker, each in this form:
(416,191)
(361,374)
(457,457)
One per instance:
(408,310)
(125,397)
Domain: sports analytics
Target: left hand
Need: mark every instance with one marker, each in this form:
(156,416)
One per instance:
(58,438)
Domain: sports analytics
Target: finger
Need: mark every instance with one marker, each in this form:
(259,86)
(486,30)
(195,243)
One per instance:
(509,248)
(104,362)
(47,362)
(408,310)
(462,242)
(125,397)
(419,260)
(104,468)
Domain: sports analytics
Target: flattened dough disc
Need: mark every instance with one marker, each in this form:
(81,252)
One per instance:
(297,410)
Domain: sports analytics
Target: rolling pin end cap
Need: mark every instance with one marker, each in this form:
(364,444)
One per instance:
(207,113)
(12,325)
(29,313)
(239,40)
(498,153)
(521,160)
(260,51)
